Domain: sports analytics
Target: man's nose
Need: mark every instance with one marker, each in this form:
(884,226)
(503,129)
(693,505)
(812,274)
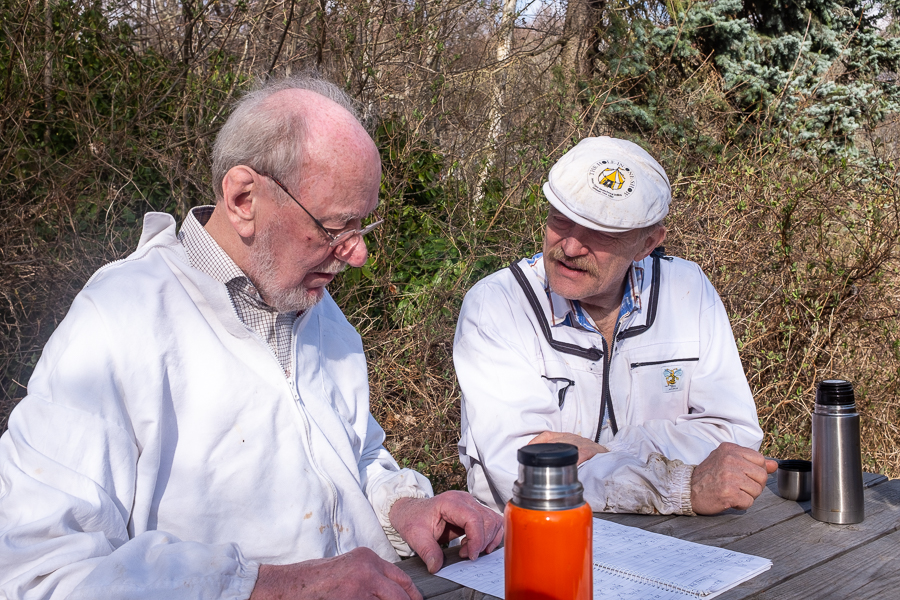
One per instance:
(353,252)
(573,247)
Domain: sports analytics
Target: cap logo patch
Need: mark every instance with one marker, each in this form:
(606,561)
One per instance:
(612,179)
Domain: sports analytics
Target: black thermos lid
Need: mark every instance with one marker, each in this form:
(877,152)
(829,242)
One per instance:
(835,392)
(548,455)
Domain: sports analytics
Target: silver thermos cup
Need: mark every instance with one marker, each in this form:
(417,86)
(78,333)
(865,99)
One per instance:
(837,484)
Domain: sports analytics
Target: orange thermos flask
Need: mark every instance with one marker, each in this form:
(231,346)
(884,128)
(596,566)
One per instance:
(548,528)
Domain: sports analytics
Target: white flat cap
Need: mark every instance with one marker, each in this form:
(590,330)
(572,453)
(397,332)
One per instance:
(610,185)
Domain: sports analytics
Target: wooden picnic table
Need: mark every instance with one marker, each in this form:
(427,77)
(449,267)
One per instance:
(810,559)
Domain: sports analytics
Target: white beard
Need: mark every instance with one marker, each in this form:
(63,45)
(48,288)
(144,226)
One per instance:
(262,273)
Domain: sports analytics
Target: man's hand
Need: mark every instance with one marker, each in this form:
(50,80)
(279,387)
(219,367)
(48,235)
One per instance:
(425,523)
(731,477)
(586,448)
(359,574)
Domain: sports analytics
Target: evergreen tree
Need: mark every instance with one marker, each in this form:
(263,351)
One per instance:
(810,72)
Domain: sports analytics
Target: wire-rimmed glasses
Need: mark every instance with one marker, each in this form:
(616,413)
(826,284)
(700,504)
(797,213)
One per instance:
(336,240)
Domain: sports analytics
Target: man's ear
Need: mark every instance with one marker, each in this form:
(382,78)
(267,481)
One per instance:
(654,239)
(240,194)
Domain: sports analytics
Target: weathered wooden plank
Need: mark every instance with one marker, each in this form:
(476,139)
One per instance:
(873,479)
(430,585)
(719,530)
(802,543)
(767,511)
(640,521)
(868,572)
(775,528)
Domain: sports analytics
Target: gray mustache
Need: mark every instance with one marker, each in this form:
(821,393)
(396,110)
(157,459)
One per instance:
(580,262)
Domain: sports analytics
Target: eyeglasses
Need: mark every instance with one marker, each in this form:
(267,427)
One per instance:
(336,240)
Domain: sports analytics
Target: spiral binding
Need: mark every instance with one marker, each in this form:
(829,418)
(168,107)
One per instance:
(664,585)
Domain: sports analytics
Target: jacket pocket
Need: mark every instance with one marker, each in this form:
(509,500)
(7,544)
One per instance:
(661,387)
(559,385)
(637,365)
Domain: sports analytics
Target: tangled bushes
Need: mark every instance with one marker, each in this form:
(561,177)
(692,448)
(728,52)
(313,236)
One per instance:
(107,112)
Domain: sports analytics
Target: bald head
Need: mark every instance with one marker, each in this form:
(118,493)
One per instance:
(331,135)
(288,123)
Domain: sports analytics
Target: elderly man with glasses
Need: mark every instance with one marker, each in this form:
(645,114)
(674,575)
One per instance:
(198,426)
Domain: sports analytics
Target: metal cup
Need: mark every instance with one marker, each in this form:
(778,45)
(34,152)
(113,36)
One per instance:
(794,479)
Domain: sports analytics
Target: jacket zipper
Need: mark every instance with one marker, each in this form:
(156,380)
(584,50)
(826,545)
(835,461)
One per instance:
(592,353)
(312,457)
(606,402)
(662,362)
(561,394)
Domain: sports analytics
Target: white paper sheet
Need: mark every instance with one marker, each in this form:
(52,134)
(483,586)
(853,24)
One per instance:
(633,564)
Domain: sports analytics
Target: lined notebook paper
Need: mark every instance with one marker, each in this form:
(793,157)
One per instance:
(633,564)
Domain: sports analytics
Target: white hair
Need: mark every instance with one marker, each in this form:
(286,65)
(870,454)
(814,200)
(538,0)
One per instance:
(270,140)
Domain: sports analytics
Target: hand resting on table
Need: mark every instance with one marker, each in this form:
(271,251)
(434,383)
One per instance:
(731,477)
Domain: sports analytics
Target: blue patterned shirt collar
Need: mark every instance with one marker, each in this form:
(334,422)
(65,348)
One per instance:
(570,313)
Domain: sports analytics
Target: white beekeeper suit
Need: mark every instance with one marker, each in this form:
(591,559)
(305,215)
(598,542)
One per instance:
(162,453)
(665,393)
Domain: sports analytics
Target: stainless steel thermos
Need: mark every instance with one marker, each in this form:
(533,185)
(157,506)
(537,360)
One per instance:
(837,484)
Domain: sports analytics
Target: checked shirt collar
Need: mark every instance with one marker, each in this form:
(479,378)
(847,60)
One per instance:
(204,254)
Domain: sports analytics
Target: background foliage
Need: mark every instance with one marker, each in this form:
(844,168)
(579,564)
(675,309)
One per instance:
(774,121)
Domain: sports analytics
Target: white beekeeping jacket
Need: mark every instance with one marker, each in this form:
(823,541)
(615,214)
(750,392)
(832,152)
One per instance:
(162,453)
(672,387)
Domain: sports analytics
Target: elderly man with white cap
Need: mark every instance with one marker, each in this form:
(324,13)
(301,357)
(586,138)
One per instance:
(604,342)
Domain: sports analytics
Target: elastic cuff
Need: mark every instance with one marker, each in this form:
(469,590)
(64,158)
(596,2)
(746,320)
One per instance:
(686,472)
(393,536)
(249,575)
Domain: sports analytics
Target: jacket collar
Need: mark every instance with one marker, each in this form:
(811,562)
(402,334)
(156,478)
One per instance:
(565,312)
(641,320)
(645,294)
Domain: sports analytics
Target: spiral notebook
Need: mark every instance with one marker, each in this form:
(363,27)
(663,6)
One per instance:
(633,564)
